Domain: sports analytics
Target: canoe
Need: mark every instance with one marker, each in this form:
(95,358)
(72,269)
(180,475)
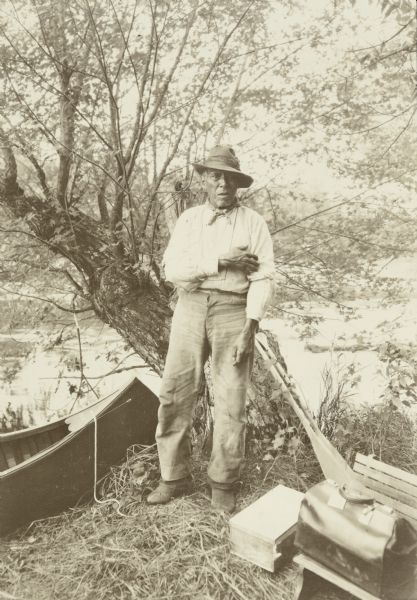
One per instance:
(45,470)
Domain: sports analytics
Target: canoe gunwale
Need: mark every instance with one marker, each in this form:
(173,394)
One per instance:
(6,437)
(29,431)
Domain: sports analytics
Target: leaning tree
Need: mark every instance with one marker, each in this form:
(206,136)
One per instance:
(105,104)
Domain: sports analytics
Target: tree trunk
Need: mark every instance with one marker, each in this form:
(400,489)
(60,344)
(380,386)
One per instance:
(131,299)
(138,308)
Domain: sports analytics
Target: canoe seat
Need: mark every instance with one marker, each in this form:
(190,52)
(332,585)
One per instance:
(21,445)
(391,486)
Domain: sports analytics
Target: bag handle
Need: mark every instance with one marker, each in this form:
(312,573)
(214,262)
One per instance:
(355,496)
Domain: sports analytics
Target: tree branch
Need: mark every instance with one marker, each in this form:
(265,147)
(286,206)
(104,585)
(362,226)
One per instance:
(55,90)
(48,301)
(200,91)
(140,105)
(397,137)
(66,138)
(384,42)
(356,239)
(71,279)
(329,208)
(53,140)
(9,183)
(232,101)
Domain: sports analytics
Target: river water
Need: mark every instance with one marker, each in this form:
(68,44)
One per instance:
(348,350)
(39,379)
(46,385)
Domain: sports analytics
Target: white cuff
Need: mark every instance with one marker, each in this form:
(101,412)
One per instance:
(251,314)
(259,297)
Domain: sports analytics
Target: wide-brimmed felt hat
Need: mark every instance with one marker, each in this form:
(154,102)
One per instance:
(223,158)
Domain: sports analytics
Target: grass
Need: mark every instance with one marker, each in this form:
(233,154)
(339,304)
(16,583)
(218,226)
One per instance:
(179,550)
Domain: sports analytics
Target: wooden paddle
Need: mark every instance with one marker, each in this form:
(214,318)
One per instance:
(331,462)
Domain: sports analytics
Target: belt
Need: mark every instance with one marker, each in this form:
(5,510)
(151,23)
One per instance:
(225,292)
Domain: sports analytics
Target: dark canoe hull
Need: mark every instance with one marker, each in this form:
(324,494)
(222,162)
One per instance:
(60,475)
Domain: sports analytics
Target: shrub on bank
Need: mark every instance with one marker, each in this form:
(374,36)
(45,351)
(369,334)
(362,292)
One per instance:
(383,430)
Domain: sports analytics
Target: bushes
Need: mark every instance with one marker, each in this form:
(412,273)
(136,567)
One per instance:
(14,419)
(382,430)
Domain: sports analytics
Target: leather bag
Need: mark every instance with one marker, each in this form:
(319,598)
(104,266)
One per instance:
(364,541)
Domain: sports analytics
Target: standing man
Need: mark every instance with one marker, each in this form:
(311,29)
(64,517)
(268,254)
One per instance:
(220,258)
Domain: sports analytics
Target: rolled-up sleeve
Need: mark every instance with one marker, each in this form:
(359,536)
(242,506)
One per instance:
(262,282)
(184,263)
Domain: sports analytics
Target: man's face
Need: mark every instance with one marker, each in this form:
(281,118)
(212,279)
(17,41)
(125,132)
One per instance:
(221,187)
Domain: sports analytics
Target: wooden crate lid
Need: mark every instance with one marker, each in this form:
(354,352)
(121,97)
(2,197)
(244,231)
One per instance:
(272,515)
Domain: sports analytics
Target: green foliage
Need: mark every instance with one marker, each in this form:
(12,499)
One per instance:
(401,373)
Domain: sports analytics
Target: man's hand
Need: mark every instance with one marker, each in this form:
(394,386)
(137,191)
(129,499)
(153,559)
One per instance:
(239,258)
(244,342)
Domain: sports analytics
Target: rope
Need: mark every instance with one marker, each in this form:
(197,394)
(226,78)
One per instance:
(96,499)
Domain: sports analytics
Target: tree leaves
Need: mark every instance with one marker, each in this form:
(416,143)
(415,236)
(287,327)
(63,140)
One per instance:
(403,8)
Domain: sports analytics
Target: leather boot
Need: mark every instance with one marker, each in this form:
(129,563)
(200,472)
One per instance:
(168,490)
(223,500)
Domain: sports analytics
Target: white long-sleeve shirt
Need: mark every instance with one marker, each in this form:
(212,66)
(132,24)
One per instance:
(191,259)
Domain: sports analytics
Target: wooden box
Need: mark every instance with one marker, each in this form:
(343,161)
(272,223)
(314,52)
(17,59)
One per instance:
(263,532)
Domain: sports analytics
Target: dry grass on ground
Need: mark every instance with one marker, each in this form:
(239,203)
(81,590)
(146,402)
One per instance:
(180,550)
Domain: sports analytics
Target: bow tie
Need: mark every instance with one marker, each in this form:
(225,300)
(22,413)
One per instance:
(219,212)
